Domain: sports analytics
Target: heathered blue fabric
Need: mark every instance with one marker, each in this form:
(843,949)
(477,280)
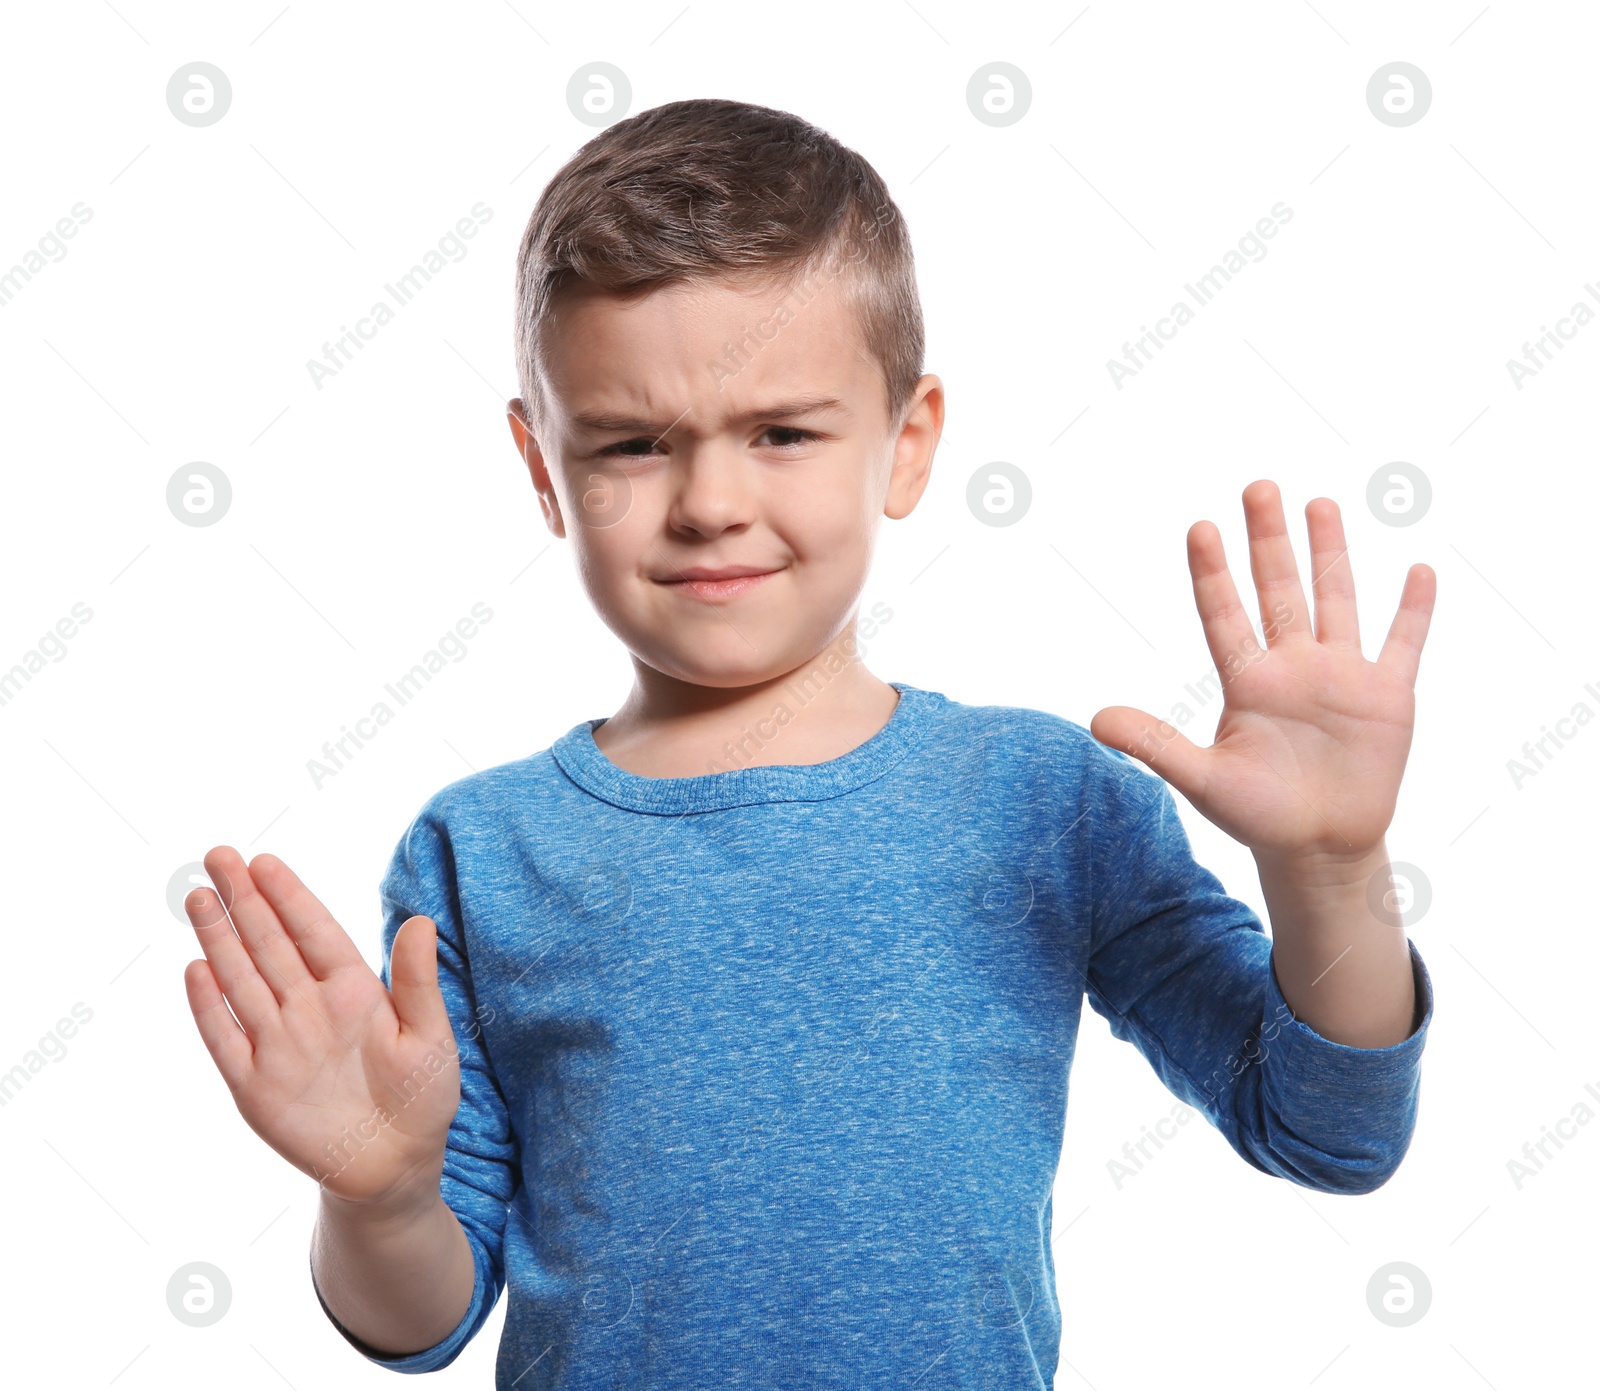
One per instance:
(764,1072)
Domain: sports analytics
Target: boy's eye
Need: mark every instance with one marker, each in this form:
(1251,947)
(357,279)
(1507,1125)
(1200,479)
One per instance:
(626,448)
(799,436)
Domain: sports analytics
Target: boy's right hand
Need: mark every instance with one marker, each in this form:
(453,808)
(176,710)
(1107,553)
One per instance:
(327,1056)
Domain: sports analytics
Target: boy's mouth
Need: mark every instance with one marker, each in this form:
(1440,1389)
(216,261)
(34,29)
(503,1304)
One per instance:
(727,582)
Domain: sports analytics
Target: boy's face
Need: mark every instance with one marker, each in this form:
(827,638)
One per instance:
(663,454)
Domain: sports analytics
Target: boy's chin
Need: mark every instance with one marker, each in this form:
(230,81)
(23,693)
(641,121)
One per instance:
(736,672)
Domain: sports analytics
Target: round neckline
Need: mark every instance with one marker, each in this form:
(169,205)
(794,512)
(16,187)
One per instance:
(582,761)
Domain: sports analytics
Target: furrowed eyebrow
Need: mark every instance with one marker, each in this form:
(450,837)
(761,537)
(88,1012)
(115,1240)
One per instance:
(608,423)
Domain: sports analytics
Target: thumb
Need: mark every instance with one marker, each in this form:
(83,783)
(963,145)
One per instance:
(414,977)
(1155,743)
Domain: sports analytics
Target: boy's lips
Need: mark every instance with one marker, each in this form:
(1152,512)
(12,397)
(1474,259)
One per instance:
(728,582)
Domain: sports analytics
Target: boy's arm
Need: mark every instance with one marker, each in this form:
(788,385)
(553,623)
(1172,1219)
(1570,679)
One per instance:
(1340,955)
(394,1278)
(1305,770)
(433,1267)
(1185,973)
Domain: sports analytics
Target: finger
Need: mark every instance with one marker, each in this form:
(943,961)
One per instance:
(1284,612)
(1229,634)
(276,958)
(232,969)
(414,978)
(1332,580)
(312,931)
(1160,746)
(228,1044)
(1402,649)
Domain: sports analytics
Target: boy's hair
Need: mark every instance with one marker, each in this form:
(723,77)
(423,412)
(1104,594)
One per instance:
(710,189)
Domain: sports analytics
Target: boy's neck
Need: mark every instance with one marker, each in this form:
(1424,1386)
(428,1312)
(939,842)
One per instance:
(818,712)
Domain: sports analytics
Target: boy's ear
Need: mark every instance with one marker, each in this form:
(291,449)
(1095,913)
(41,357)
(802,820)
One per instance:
(528,449)
(914,448)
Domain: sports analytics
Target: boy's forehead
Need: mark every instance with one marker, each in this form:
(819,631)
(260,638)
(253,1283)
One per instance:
(721,350)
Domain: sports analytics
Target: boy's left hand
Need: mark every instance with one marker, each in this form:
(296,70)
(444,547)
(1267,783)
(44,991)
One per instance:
(1313,738)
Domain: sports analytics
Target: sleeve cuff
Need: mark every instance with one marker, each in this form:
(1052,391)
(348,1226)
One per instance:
(442,1353)
(1334,1117)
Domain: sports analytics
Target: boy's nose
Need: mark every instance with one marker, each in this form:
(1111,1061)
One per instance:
(713,489)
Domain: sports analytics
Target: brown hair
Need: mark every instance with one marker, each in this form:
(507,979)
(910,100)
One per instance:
(713,189)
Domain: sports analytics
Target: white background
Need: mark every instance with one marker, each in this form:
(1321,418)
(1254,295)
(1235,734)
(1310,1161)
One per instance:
(370,515)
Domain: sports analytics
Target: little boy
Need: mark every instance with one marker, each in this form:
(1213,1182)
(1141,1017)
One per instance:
(732,1032)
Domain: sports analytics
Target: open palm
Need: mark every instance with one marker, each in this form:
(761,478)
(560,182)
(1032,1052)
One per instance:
(353,1082)
(1313,738)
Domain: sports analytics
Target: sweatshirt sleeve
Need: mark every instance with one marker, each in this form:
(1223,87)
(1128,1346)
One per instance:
(482,1170)
(1184,973)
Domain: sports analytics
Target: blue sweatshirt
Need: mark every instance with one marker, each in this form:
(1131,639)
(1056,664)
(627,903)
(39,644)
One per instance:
(764,1071)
